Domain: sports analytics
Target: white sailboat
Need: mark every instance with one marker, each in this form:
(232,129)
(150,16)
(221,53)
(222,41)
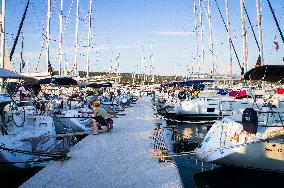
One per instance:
(253,140)
(26,138)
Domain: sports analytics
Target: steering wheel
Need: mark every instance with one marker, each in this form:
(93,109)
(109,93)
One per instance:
(18,113)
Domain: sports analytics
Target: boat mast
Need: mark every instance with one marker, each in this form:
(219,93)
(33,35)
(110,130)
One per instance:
(201,31)
(196,35)
(118,67)
(152,63)
(47,36)
(143,66)
(89,37)
(60,37)
(211,35)
(229,38)
(2,41)
(75,68)
(244,36)
(259,16)
(3,34)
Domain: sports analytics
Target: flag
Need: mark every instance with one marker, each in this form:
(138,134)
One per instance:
(276,45)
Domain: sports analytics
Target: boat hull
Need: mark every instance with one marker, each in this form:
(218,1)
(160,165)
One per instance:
(264,156)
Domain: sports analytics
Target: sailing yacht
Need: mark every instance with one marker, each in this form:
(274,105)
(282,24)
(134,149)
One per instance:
(254,139)
(27,139)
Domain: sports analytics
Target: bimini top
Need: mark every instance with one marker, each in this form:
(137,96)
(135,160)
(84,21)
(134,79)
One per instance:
(59,81)
(99,85)
(4,73)
(271,73)
(185,83)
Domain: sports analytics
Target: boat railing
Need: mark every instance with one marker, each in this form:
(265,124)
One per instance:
(222,109)
(270,114)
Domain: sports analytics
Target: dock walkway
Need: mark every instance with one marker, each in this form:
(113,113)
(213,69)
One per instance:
(121,158)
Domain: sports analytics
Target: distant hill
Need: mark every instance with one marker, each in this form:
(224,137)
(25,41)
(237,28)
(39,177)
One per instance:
(127,78)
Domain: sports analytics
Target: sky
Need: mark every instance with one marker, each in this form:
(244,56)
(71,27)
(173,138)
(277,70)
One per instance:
(140,29)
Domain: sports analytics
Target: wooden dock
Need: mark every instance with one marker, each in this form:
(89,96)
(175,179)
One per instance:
(121,158)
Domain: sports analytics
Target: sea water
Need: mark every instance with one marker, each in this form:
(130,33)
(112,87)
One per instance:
(195,173)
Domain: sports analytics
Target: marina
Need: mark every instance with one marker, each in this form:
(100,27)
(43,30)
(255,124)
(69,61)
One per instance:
(121,93)
(121,158)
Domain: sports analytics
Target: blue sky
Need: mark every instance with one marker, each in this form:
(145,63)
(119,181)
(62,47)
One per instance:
(124,26)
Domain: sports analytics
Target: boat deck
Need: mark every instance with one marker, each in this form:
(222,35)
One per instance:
(121,158)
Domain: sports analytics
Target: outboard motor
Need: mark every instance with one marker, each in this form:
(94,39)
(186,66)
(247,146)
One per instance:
(250,120)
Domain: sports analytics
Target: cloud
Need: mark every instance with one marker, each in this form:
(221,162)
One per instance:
(173,33)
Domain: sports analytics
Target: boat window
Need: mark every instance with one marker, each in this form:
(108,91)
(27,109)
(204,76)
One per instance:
(210,109)
(207,139)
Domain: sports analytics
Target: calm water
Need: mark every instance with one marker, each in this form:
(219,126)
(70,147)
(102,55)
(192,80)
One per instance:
(197,174)
(14,177)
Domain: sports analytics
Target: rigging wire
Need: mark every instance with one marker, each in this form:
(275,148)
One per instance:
(214,39)
(241,67)
(40,30)
(44,39)
(19,31)
(251,27)
(41,154)
(34,13)
(68,16)
(85,25)
(276,21)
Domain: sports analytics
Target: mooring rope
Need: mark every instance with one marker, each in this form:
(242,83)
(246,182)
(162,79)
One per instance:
(42,154)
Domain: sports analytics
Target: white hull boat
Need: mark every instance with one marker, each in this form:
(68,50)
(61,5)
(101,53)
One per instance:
(227,143)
